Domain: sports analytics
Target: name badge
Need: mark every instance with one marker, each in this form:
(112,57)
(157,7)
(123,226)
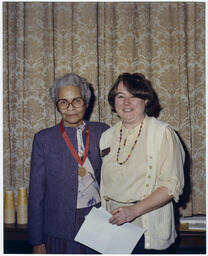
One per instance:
(104,152)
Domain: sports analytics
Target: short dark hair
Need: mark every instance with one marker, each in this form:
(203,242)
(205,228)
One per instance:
(140,87)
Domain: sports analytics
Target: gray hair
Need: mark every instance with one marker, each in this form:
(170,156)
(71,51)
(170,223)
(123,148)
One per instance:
(71,79)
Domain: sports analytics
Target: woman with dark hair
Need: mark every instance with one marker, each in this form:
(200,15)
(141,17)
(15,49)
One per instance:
(143,91)
(65,171)
(142,170)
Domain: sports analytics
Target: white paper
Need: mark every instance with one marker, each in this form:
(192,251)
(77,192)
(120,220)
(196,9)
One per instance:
(97,233)
(193,219)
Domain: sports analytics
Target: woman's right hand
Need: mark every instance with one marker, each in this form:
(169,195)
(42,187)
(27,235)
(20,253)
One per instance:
(123,214)
(39,249)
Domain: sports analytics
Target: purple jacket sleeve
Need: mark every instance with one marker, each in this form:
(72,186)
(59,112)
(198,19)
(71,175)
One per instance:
(36,194)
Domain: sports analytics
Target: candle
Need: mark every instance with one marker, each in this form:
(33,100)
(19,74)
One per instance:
(22,205)
(9,208)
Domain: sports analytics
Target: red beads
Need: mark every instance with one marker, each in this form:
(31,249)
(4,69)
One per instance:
(132,148)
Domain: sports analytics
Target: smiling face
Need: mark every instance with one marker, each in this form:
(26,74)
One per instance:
(131,109)
(73,117)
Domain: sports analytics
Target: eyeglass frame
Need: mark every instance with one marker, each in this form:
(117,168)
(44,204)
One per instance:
(70,103)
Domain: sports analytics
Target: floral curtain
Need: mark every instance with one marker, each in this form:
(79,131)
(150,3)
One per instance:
(99,40)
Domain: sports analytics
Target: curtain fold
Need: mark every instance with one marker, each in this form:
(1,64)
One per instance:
(99,40)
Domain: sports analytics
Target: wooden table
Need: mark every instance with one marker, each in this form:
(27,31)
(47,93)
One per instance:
(15,232)
(16,239)
(195,239)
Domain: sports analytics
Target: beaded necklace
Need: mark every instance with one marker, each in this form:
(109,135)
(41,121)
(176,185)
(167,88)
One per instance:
(132,148)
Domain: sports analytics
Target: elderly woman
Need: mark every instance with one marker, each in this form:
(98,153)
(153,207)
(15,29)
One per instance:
(142,170)
(65,171)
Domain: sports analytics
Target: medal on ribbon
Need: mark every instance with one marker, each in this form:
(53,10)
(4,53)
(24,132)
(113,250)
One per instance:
(81,171)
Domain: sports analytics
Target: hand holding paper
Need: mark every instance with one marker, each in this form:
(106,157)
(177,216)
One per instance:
(97,233)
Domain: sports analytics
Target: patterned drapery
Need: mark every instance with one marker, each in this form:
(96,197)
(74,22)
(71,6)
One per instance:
(99,40)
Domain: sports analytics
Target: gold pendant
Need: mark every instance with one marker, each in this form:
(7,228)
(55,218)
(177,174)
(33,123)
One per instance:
(81,171)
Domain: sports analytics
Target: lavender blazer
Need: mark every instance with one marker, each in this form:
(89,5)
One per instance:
(54,182)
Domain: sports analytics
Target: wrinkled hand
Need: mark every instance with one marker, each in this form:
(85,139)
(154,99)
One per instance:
(39,249)
(123,214)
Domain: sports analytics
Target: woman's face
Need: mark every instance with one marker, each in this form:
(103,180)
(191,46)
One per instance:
(129,108)
(71,115)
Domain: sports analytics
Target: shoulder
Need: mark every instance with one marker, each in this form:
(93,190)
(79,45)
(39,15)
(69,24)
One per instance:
(161,132)
(47,132)
(156,128)
(112,129)
(98,126)
(160,126)
(107,136)
(154,122)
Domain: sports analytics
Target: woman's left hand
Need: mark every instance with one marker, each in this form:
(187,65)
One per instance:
(123,214)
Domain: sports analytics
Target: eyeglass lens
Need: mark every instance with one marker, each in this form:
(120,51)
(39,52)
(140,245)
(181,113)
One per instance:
(76,103)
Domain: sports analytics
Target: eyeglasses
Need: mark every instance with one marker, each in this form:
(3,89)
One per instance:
(76,103)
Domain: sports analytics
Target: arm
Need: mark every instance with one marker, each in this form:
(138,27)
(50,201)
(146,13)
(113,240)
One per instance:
(36,194)
(157,199)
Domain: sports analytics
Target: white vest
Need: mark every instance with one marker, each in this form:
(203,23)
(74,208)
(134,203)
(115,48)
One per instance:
(159,224)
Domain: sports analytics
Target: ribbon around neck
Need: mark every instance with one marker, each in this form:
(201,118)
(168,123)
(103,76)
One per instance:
(71,147)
